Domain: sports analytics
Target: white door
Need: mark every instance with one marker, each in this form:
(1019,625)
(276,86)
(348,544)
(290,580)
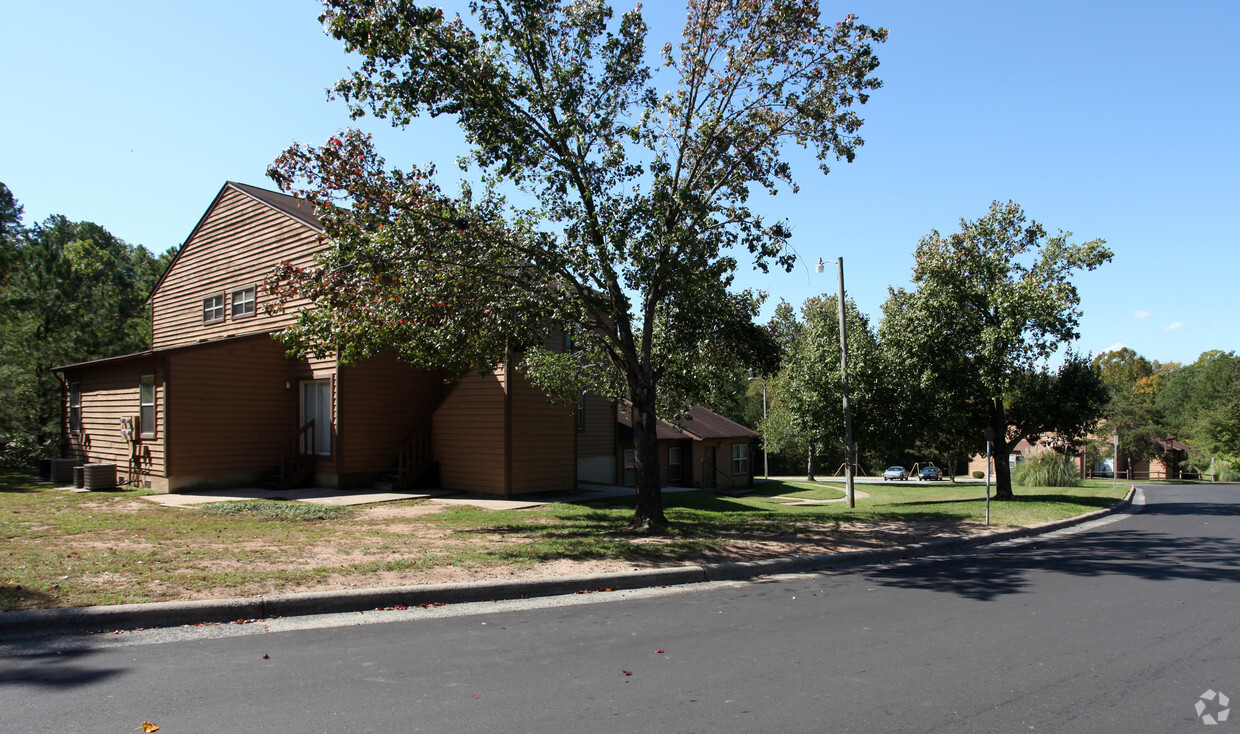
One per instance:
(316,405)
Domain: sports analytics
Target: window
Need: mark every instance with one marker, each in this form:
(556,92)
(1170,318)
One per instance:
(740,458)
(146,405)
(673,463)
(243,303)
(581,410)
(75,408)
(213,308)
(630,469)
(316,405)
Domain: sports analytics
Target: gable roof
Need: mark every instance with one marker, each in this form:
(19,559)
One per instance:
(290,206)
(700,424)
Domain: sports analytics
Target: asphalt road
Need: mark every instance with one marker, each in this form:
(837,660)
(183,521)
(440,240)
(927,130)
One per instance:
(1120,627)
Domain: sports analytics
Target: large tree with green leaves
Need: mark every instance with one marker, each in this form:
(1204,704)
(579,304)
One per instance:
(74,292)
(808,410)
(635,200)
(991,303)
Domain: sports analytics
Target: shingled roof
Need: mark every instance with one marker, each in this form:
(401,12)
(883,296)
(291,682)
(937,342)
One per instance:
(700,424)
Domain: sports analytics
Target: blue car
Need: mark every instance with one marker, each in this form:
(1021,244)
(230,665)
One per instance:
(930,473)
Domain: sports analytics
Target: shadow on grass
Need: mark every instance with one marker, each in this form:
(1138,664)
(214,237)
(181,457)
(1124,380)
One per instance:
(19,483)
(1096,502)
(14,596)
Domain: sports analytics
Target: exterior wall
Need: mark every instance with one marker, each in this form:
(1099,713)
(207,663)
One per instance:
(109,393)
(384,401)
(235,246)
(467,435)
(596,441)
(542,436)
(233,416)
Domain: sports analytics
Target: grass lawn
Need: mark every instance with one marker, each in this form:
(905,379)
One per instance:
(72,549)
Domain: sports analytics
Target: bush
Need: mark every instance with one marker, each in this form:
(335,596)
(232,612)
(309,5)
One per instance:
(978,473)
(23,453)
(1051,469)
(277,510)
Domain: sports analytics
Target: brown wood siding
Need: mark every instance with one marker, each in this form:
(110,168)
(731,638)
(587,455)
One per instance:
(384,401)
(467,435)
(542,438)
(231,412)
(237,244)
(598,438)
(110,393)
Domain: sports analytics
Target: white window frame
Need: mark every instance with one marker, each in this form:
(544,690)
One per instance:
(213,308)
(146,424)
(322,401)
(740,459)
(673,467)
(75,408)
(245,298)
(630,468)
(581,410)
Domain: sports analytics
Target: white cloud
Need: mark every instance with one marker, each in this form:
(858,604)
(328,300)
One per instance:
(1114,348)
(1141,314)
(1174,326)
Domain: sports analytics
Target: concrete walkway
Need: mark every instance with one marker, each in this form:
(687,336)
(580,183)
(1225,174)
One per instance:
(327,496)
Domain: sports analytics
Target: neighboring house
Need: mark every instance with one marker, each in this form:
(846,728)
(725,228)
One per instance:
(1167,466)
(702,449)
(216,401)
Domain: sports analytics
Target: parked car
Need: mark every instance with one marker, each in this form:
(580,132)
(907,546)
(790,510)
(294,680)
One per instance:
(930,473)
(895,472)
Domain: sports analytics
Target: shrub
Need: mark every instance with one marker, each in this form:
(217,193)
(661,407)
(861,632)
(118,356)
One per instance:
(276,510)
(23,453)
(1051,469)
(978,473)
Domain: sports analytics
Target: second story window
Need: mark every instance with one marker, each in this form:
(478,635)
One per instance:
(243,302)
(213,308)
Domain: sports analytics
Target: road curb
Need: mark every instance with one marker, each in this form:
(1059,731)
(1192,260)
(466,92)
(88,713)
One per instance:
(170,614)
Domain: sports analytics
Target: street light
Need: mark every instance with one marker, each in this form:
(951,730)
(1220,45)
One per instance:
(766,458)
(848,442)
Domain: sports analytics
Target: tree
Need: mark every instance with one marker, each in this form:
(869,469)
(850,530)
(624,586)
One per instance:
(11,229)
(990,303)
(1199,404)
(638,200)
(75,292)
(809,409)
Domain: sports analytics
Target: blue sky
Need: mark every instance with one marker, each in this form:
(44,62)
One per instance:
(1107,119)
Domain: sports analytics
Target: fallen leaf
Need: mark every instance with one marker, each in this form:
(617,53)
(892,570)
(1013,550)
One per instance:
(149,727)
(475,695)
(628,672)
(266,657)
(662,651)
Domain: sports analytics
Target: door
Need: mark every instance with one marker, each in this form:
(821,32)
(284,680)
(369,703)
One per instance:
(316,405)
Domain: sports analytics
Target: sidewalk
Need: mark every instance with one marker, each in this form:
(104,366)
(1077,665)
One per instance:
(45,622)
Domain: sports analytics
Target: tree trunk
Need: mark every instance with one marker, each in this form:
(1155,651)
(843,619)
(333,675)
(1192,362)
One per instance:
(648,513)
(1003,471)
(809,471)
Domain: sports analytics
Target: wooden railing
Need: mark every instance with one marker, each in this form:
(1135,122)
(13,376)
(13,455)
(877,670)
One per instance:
(298,462)
(413,457)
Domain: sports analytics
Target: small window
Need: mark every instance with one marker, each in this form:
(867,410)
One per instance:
(213,308)
(740,458)
(581,410)
(630,469)
(146,405)
(243,303)
(75,408)
(673,463)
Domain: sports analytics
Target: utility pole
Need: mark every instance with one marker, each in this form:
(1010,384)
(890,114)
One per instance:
(849,488)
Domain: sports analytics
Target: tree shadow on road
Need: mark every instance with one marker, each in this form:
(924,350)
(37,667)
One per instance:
(1149,555)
